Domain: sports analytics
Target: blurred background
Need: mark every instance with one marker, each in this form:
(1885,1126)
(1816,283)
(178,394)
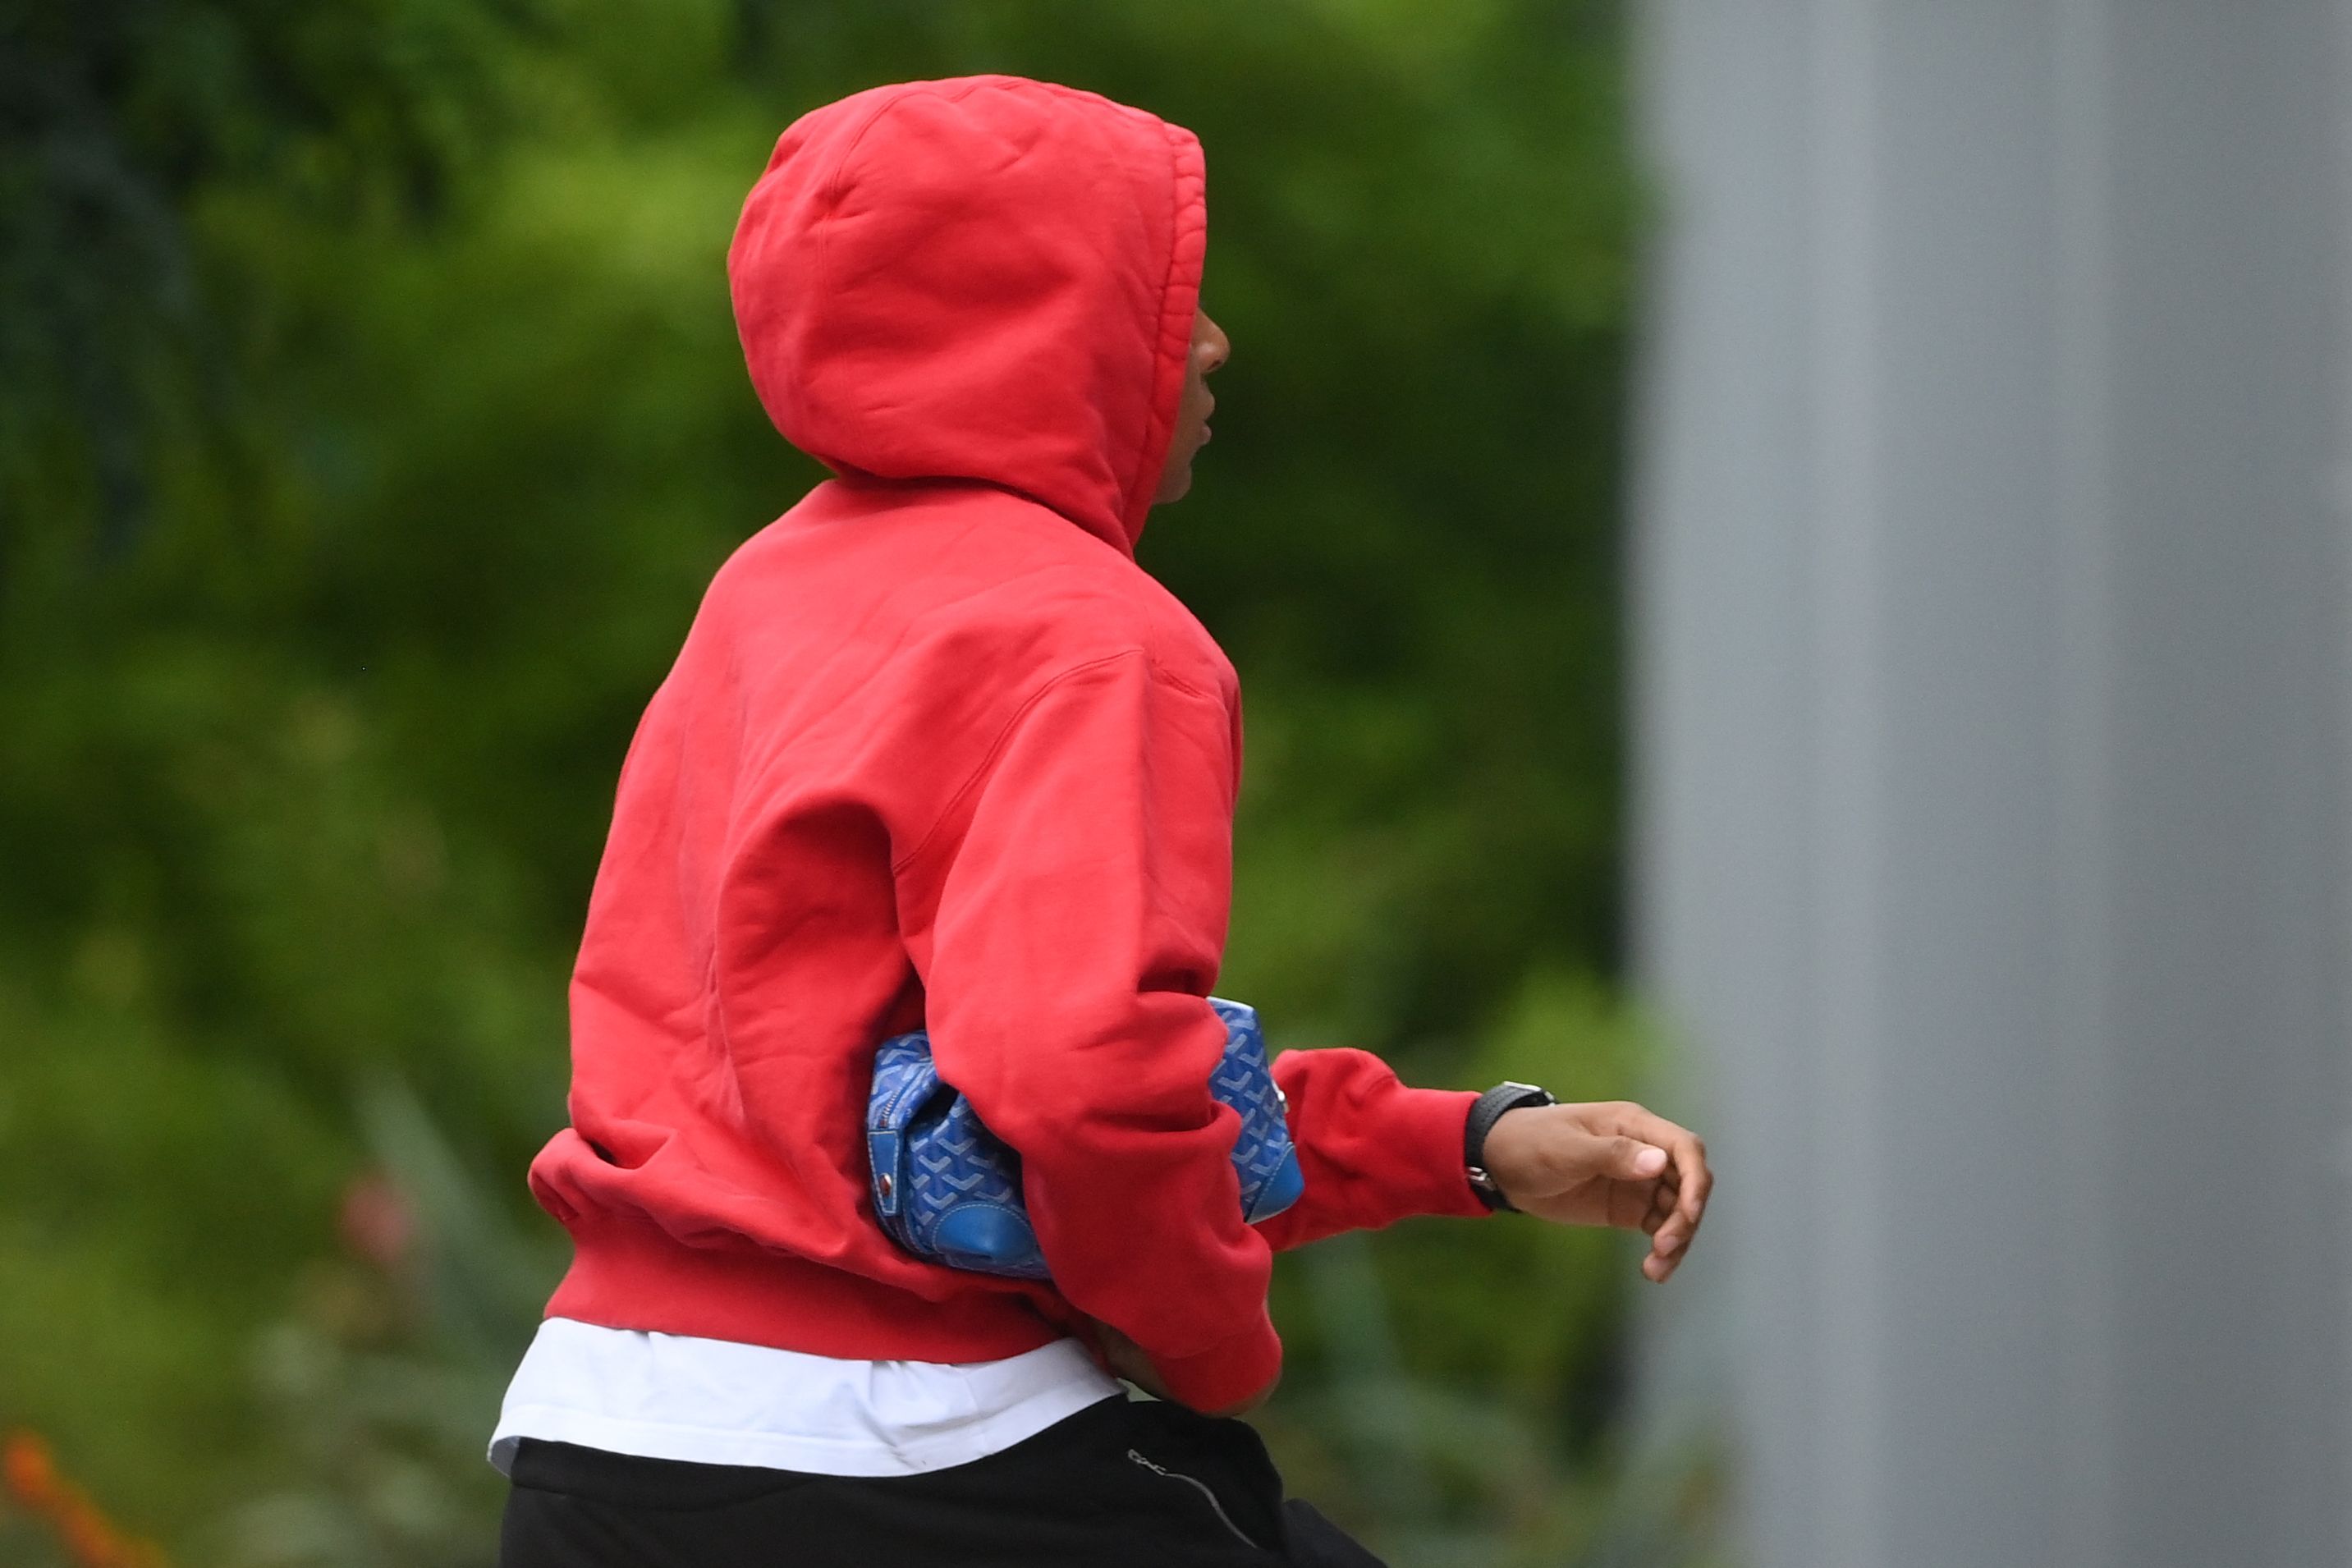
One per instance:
(1787,560)
(371,421)
(1994,695)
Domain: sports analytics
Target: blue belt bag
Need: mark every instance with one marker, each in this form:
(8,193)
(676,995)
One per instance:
(948,1189)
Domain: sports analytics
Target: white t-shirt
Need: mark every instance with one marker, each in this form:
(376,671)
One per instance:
(715,1402)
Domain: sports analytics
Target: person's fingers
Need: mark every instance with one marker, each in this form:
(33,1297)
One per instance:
(1630,1120)
(1632,1205)
(1688,1208)
(1688,1168)
(1680,1195)
(1690,1202)
(1674,1235)
(1634,1160)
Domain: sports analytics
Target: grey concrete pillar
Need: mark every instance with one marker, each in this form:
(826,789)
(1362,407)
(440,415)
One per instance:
(1995,784)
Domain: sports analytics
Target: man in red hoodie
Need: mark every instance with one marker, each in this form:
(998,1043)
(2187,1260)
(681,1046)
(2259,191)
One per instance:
(938,752)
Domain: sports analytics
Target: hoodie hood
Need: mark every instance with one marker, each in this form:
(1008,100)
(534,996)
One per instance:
(986,278)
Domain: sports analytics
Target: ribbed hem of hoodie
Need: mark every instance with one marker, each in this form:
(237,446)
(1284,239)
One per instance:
(629,1274)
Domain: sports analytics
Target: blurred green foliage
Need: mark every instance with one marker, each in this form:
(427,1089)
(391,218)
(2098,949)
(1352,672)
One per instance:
(370,420)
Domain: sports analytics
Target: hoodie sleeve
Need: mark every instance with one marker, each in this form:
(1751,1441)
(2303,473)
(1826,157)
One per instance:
(1373,1149)
(1078,897)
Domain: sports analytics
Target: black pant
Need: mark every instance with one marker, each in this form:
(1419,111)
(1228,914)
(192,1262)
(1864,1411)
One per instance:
(1123,1483)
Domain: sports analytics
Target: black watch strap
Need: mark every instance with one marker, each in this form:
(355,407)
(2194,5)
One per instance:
(1484,1111)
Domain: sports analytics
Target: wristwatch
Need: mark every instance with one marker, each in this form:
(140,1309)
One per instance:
(1484,1111)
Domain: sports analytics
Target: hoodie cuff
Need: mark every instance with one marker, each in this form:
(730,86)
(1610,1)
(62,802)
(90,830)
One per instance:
(1228,1372)
(1426,1127)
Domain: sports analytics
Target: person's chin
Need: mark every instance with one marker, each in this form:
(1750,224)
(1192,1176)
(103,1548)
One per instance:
(1174,486)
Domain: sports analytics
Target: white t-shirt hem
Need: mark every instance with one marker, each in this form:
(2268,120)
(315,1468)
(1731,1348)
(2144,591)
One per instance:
(661,1396)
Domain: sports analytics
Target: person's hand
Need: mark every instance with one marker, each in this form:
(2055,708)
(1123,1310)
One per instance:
(1609,1164)
(1126,1360)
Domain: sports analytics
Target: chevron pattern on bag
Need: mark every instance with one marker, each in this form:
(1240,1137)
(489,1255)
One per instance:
(938,1169)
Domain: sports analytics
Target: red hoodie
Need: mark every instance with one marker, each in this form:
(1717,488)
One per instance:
(938,752)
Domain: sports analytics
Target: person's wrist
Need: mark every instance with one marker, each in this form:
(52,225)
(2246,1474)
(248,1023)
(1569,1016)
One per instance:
(1485,1114)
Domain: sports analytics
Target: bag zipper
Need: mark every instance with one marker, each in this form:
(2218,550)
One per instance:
(1203,1488)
